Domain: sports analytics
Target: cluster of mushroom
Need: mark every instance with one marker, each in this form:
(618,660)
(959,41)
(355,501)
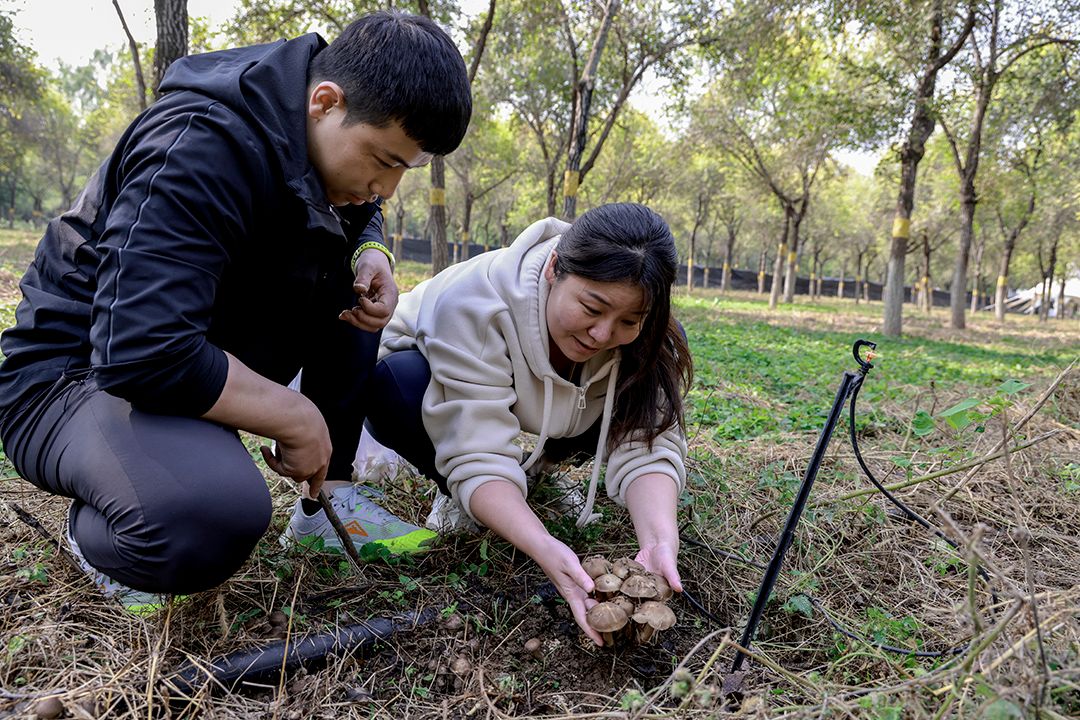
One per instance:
(632,600)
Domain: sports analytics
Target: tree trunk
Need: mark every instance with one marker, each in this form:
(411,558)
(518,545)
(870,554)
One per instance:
(977,280)
(1059,309)
(579,128)
(763,262)
(792,269)
(963,252)
(399,236)
(466,227)
(172,37)
(781,256)
(439,256)
(922,126)
(840,285)
(729,251)
(140,80)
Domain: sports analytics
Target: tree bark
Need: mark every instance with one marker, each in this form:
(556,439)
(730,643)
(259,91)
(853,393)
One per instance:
(584,92)
(140,80)
(781,256)
(440,259)
(172,37)
(793,247)
(922,126)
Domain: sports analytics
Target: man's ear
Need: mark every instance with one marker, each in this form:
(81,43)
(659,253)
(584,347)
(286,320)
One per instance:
(549,269)
(323,98)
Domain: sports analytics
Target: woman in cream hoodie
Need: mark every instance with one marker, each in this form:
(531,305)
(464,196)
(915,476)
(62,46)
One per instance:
(566,334)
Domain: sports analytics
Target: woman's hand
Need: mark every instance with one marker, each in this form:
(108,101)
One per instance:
(661,558)
(501,506)
(564,570)
(651,501)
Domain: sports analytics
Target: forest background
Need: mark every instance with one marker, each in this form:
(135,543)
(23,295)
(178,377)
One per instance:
(919,145)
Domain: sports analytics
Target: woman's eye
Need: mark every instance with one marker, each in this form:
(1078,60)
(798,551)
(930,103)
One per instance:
(591,311)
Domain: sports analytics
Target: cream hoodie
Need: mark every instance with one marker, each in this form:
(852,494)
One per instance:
(482,326)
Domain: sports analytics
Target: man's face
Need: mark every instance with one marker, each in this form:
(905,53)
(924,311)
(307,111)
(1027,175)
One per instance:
(357,163)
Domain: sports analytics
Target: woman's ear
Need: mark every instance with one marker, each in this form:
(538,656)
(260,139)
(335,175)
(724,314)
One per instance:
(549,269)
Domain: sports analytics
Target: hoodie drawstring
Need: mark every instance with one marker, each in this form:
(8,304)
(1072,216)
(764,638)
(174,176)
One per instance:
(586,515)
(544,422)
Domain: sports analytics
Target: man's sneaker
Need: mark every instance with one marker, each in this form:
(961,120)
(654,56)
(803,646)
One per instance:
(446,516)
(370,526)
(136,602)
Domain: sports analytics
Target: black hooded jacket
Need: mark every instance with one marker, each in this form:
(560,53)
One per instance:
(207,230)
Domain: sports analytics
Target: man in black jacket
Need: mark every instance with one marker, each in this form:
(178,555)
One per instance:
(233,237)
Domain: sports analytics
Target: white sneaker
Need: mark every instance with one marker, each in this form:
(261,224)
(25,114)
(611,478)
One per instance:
(134,601)
(568,490)
(369,525)
(446,516)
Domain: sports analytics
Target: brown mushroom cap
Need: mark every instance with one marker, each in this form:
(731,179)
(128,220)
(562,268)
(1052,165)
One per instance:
(596,566)
(656,615)
(624,567)
(663,589)
(625,603)
(639,586)
(606,617)
(607,583)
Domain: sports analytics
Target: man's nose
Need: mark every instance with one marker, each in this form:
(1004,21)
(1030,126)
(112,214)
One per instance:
(387,181)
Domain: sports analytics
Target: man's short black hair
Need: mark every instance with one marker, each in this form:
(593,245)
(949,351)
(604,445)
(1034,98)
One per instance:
(394,66)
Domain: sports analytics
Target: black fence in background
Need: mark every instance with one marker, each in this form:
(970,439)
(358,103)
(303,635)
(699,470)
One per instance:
(419,250)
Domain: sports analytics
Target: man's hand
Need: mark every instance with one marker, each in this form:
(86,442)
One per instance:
(304,456)
(251,402)
(376,291)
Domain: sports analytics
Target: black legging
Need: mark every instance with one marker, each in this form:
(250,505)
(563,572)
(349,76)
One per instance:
(395,416)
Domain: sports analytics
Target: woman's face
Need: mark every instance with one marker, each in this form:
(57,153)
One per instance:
(587,316)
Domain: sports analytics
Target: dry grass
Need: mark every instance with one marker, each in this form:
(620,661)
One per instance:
(1017,516)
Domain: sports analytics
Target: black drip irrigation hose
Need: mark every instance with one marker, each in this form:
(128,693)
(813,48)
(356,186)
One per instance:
(852,391)
(266,664)
(907,511)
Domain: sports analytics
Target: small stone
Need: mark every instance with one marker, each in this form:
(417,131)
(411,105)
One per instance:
(461,666)
(534,647)
(357,694)
(453,622)
(49,708)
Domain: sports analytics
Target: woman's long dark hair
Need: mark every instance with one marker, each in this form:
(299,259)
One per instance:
(626,242)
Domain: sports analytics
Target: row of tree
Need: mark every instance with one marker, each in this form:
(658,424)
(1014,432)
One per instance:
(970,107)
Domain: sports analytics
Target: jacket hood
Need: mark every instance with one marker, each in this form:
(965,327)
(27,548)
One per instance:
(266,85)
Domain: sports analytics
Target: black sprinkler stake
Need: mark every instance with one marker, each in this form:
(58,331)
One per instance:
(848,384)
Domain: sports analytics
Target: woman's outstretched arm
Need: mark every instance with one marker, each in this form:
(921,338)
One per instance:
(651,500)
(500,506)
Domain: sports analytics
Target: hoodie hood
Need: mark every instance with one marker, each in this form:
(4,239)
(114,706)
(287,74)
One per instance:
(518,276)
